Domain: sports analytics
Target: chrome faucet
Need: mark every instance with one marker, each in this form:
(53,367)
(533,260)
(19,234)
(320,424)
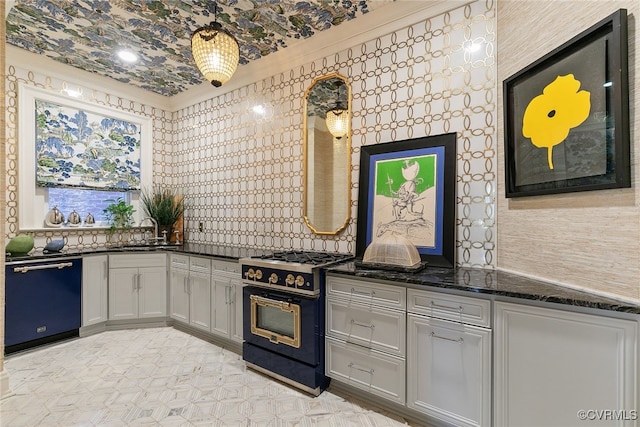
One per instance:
(155,228)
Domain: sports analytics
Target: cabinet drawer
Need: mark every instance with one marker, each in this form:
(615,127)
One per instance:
(137,260)
(367,293)
(378,328)
(370,370)
(473,311)
(179,261)
(231,267)
(200,265)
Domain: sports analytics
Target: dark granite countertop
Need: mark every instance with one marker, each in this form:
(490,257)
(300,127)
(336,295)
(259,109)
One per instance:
(490,282)
(218,251)
(475,281)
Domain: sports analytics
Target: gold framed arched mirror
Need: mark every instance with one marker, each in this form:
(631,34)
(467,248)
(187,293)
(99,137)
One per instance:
(327,154)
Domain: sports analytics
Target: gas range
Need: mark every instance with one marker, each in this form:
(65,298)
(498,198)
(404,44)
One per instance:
(284,316)
(290,271)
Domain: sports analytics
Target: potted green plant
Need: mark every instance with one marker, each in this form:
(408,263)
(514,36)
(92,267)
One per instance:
(164,205)
(119,215)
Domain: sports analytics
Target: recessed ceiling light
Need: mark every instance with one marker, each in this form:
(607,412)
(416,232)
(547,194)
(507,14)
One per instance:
(127,55)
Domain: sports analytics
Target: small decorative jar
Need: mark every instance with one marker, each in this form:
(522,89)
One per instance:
(54,218)
(74,219)
(54,246)
(89,221)
(20,245)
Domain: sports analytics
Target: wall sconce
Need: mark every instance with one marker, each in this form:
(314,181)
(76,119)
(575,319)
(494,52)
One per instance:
(337,122)
(215,51)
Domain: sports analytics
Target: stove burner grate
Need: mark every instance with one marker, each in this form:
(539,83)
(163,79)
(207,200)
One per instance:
(306,257)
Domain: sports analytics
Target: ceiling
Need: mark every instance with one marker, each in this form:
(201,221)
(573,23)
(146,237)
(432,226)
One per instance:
(86,34)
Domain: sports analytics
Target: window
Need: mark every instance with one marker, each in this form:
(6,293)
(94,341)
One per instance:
(85,201)
(34,200)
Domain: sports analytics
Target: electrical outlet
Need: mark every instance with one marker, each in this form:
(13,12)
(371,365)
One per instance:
(200,227)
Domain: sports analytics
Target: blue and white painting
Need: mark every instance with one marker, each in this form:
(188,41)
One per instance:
(79,148)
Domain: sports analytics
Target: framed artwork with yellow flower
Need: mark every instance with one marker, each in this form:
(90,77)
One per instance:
(567,116)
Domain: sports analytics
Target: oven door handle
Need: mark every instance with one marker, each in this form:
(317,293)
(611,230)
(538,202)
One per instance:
(268,302)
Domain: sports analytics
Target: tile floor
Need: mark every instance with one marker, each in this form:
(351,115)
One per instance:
(160,377)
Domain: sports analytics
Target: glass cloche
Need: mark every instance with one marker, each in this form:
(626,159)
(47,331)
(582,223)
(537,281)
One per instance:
(392,251)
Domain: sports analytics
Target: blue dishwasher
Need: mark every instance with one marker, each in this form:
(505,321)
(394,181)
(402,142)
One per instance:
(42,302)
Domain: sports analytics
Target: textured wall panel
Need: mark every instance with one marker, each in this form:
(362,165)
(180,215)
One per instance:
(589,239)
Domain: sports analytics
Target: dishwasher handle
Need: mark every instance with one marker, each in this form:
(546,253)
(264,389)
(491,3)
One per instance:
(26,268)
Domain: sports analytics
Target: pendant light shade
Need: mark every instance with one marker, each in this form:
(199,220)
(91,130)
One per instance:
(337,122)
(216,53)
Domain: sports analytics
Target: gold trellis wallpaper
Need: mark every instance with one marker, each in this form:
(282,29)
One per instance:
(242,172)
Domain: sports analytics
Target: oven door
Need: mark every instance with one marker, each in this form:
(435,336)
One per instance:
(281,322)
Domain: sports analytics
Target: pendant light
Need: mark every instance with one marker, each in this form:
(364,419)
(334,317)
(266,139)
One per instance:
(337,122)
(215,51)
(337,118)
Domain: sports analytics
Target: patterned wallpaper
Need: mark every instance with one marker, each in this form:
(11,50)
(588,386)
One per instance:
(242,173)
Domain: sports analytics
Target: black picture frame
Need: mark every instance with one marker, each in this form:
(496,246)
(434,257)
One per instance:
(594,155)
(409,187)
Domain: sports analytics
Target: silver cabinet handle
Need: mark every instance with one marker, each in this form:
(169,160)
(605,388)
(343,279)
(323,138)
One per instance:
(369,294)
(134,282)
(184,285)
(105,270)
(459,340)
(364,325)
(356,367)
(139,286)
(446,307)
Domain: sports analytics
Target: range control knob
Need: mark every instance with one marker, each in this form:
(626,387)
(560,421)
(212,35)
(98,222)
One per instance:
(299,281)
(258,274)
(250,273)
(273,278)
(290,280)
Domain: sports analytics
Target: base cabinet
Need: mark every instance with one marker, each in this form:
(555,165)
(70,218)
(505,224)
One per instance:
(550,365)
(137,286)
(226,300)
(365,336)
(450,370)
(449,357)
(190,290)
(95,283)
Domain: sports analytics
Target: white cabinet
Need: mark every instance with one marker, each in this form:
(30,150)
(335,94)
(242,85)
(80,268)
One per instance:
(137,286)
(550,364)
(226,300)
(178,292)
(190,290)
(449,357)
(95,281)
(366,331)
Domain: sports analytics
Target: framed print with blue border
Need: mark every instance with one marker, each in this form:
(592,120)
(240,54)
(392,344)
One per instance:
(409,188)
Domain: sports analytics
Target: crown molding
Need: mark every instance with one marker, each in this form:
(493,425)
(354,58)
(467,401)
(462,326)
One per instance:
(89,82)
